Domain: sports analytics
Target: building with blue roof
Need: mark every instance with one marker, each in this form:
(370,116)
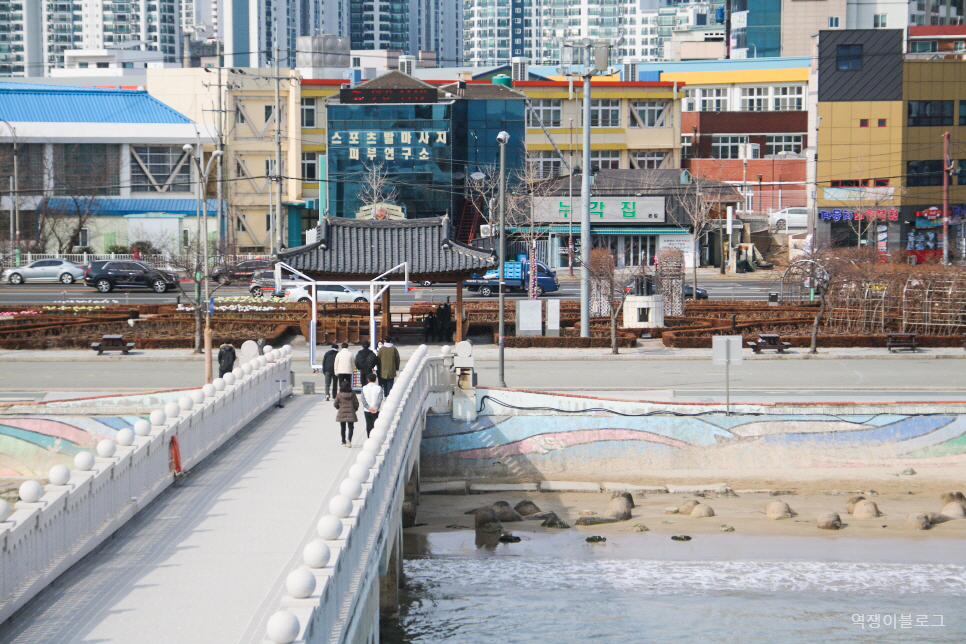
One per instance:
(97,168)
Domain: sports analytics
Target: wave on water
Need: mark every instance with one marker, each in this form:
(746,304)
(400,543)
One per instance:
(688,577)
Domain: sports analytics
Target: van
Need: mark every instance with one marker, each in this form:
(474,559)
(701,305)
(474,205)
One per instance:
(788,218)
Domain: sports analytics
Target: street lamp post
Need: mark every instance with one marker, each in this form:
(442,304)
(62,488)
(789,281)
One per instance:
(200,189)
(14,198)
(502,138)
(570,217)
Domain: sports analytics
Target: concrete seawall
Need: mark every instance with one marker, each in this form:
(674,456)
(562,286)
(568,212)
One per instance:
(524,434)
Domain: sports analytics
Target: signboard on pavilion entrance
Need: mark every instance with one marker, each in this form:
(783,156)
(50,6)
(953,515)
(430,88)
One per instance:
(382,211)
(613,210)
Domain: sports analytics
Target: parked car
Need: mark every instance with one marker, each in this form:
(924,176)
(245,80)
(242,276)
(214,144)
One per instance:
(107,274)
(327,293)
(241,270)
(788,218)
(44,270)
(645,286)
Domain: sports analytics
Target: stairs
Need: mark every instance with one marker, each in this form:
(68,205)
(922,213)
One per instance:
(470,220)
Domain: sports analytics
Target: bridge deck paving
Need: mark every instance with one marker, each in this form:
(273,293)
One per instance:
(207,560)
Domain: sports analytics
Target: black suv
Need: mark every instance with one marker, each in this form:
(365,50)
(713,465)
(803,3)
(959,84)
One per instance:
(107,274)
(241,270)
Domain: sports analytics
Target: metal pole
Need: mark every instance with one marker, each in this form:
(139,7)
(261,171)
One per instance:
(222,224)
(727,378)
(278,143)
(570,217)
(947,167)
(502,138)
(585,205)
(16,187)
(12,197)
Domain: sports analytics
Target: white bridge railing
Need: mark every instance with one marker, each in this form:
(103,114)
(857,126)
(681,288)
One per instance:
(331,598)
(54,527)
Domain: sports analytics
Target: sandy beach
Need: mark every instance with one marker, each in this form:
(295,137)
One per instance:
(446,529)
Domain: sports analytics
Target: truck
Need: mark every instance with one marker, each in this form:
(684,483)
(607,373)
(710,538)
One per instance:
(516,276)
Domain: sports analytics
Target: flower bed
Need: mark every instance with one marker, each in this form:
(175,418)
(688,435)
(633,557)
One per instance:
(624,340)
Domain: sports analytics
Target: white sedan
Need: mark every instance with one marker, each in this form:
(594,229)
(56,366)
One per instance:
(327,293)
(44,270)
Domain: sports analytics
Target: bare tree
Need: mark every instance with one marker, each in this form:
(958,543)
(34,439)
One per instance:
(609,287)
(529,187)
(698,208)
(832,266)
(375,186)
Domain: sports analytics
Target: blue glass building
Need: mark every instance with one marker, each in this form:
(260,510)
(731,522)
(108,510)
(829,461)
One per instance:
(427,139)
(756,26)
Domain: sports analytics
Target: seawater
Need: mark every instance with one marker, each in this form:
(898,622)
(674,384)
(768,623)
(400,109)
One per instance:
(483,597)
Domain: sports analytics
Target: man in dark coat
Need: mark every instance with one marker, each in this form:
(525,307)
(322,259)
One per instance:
(226,359)
(429,327)
(366,361)
(328,369)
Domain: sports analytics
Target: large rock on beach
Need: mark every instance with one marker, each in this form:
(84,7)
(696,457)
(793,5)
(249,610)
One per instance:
(917,521)
(526,508)
(701,511)
(954,510)
(952,497)
(505,513)
(866,509)
(624,495)
(488,522)
(553,521)
(687,506)
(619,508)
(595,520)
(779,510)
(851,503)
(829,521)
(935,518)
(670,511)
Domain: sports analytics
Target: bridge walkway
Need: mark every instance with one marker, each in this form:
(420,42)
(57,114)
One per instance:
(206,561)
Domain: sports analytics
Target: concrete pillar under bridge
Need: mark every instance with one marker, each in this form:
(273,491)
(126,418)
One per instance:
(391,568)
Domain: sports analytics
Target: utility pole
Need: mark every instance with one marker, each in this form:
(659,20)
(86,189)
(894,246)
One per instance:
(947,168)
(220,125)
(278,145)
(570,216)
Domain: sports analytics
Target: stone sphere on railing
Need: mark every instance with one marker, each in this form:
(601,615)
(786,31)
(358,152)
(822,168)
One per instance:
(300,583)
(172,410)
(329,527)
(229,378)
(219,384)
(209,390)
(198,396)
(262,361)
(4,510)
(366,459)
(316,554)
(142,427)
(378,435)
(106,448)
(359,472)
(372,446)
(238,372)
(340,506)
(445,350)
(84,461)
(31,491)
(125,437)
(287,350)
(186,403)
(267,349)
(350,488)
(158,417)
(283,627)
(58,475)
(247,368)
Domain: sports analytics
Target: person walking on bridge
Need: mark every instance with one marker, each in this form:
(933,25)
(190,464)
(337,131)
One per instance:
(388,365)
(372,398)
(343,365)
(226,358)
(348,404)
(328,370)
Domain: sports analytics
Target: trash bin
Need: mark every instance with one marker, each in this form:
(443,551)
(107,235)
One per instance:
(773,299)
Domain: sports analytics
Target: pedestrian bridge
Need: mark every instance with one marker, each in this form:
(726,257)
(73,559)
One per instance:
(270,532)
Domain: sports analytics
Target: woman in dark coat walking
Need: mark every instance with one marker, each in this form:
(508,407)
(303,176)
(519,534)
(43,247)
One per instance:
(348,404)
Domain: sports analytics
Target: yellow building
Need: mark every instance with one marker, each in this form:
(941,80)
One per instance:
(633,124)
(882,115)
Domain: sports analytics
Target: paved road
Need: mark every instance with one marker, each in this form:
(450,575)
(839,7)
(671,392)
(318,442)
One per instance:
(645,374)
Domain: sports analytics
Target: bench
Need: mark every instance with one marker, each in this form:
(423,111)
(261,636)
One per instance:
(769,341)
(112,343)
(896,341)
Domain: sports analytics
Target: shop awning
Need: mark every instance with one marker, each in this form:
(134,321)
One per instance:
(606,230)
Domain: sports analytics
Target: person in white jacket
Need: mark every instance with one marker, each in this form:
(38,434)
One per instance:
(372,398)
(343,365)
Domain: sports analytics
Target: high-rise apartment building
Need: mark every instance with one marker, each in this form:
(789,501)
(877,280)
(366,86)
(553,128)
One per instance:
(20,54)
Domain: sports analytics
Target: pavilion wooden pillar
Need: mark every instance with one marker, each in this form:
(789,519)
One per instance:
(386,315)
(458,337)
